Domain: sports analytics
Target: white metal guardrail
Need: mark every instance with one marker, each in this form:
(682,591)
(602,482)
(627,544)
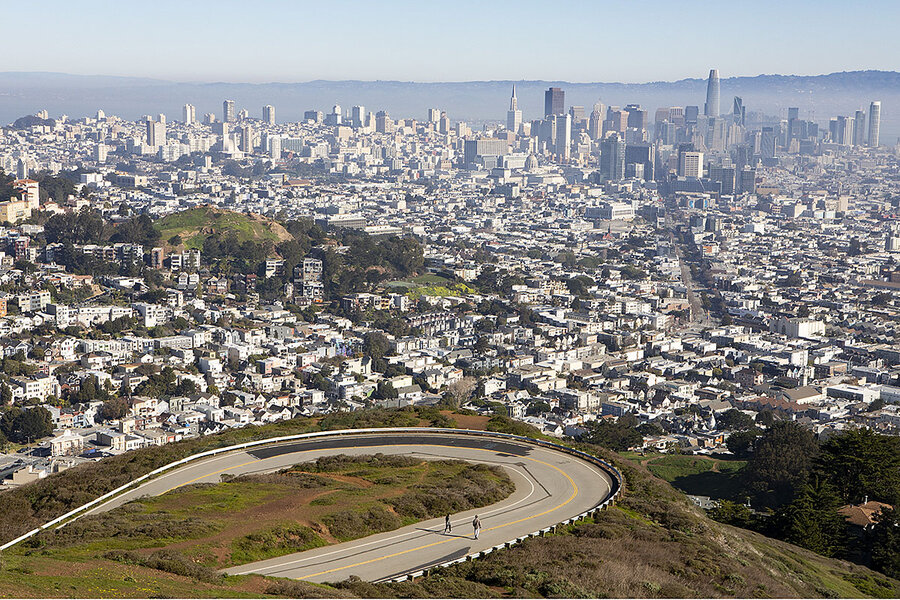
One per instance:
(609,469)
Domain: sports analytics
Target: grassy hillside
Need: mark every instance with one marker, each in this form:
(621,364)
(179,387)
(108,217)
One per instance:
(654,543)
(173,545)
(196,224)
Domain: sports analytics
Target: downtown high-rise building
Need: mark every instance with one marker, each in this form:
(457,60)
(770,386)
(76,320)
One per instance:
(874,123)
(563,142)
(513,115)
(358,116)
(554,102)
(859,128)
(711,109)
(228,111)
(189,114)
(268,114)
(612,158)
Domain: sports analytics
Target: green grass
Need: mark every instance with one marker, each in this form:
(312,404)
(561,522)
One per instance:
(189,224)
(699,475)
(173,544)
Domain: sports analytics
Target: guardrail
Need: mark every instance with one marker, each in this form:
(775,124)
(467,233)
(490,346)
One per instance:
(609,469)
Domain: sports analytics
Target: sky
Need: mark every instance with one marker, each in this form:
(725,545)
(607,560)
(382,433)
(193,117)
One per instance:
(462,40)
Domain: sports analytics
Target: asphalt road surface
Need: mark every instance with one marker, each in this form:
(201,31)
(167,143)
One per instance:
(550,487)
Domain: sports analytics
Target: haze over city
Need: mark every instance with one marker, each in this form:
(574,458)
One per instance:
(471,300)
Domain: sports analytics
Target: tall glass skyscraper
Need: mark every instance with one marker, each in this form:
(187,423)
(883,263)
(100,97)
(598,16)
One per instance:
(554,102)
(874,123)
(711,109)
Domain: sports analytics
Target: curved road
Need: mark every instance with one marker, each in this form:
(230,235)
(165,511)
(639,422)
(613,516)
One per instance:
(551,487)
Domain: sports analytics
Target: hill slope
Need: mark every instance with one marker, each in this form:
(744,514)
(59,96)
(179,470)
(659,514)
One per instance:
(193,226)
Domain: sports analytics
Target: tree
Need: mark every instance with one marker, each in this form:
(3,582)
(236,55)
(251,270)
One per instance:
(460,391)
(734,420)
(113,409)
(812,520)
(862,463)
(740,443)
(885,542)
(619,436)
(782,460)
(376,345)
(385,391)
(6,395)
(23,426)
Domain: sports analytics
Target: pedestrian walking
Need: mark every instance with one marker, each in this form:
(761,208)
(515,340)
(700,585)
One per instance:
(476,524)
(447,525)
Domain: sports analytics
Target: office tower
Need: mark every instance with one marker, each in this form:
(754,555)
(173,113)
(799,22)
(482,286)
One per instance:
(690,164)
(616,120)
(767,143)
(874,123)
(336,116)
(595,126)
(859,128)
(691,113)
(554,102)
(315,116)
(612,158)
(444,123)
(268,114)
(578,116)
(481,148)
(841,130)
(246,139)
(739,111)
(209,118)
(711,109)
(383,122)
(228,111)
(100,151)
(358,116)
(513,115)
(563,136)
(434,115)
(748,180)
(640,154)
(156,133)
(635,117)
(189,114)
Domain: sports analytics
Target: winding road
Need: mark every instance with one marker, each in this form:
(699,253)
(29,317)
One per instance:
(551,487)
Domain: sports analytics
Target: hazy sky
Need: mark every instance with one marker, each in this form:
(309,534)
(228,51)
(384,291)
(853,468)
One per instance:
(460,40)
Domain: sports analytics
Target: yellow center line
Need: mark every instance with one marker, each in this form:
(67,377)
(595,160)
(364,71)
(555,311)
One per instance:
(401,553)
(366,562)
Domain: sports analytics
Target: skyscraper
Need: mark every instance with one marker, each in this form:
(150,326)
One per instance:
(554,102)
(513,115)
(711,109)
(268,114)
(612,158)
(739,111)
(228,111)
(874,123)
(563,136)
(859,128)
(358,116)
(156,133)
(246,139)
(189,112)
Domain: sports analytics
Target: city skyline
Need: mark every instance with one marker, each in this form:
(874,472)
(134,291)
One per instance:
(191,41)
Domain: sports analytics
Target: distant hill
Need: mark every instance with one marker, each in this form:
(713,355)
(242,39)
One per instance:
(193,226)
(818,96)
